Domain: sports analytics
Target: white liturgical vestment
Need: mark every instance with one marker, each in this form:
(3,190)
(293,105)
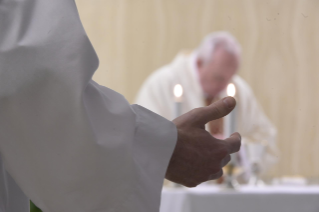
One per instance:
(157,95)
(67,143)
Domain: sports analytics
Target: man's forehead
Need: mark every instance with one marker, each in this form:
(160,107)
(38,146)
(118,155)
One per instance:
(223,54)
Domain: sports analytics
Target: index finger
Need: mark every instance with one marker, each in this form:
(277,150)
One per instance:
(234,143)
(214,111)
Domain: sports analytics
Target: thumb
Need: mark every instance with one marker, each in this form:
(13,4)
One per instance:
(214,111)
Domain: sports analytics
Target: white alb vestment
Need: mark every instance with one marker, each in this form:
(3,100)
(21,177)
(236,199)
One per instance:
(67,143)
(157,95)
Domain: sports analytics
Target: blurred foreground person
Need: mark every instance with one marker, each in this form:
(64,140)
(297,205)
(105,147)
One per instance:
(71,145)
(204,74)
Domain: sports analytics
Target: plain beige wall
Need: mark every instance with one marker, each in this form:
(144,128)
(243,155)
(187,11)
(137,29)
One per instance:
(280,58)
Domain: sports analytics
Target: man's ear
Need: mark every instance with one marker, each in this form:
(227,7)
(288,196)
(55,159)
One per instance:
(199,64)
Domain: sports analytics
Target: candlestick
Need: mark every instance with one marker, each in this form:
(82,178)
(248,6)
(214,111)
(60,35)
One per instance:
(230,120)
(178,93)
(230,126)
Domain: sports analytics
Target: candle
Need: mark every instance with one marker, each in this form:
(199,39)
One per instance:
(178,93)
(230,121)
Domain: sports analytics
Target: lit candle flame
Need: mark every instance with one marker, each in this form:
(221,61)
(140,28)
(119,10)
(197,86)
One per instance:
(178,91)
(231,90)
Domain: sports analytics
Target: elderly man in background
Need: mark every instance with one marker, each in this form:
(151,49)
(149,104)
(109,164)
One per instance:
(204,74)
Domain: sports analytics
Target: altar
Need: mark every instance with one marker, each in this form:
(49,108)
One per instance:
(245,199)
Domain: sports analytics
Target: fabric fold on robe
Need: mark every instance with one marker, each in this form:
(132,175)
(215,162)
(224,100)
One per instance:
(67,142)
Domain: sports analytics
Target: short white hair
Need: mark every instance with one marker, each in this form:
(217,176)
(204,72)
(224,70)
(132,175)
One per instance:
(224,40)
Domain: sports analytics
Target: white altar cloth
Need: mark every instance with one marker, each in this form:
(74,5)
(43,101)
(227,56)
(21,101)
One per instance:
(246,199)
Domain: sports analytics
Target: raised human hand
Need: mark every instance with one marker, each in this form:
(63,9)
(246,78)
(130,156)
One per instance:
(198,156)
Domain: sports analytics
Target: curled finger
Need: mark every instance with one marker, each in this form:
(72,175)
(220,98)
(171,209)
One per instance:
(233,143)
(216,175)
(225,161)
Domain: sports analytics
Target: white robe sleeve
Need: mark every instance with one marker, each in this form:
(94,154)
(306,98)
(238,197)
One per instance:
(12,199)
(69,143)
(255,126)
(156,94)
